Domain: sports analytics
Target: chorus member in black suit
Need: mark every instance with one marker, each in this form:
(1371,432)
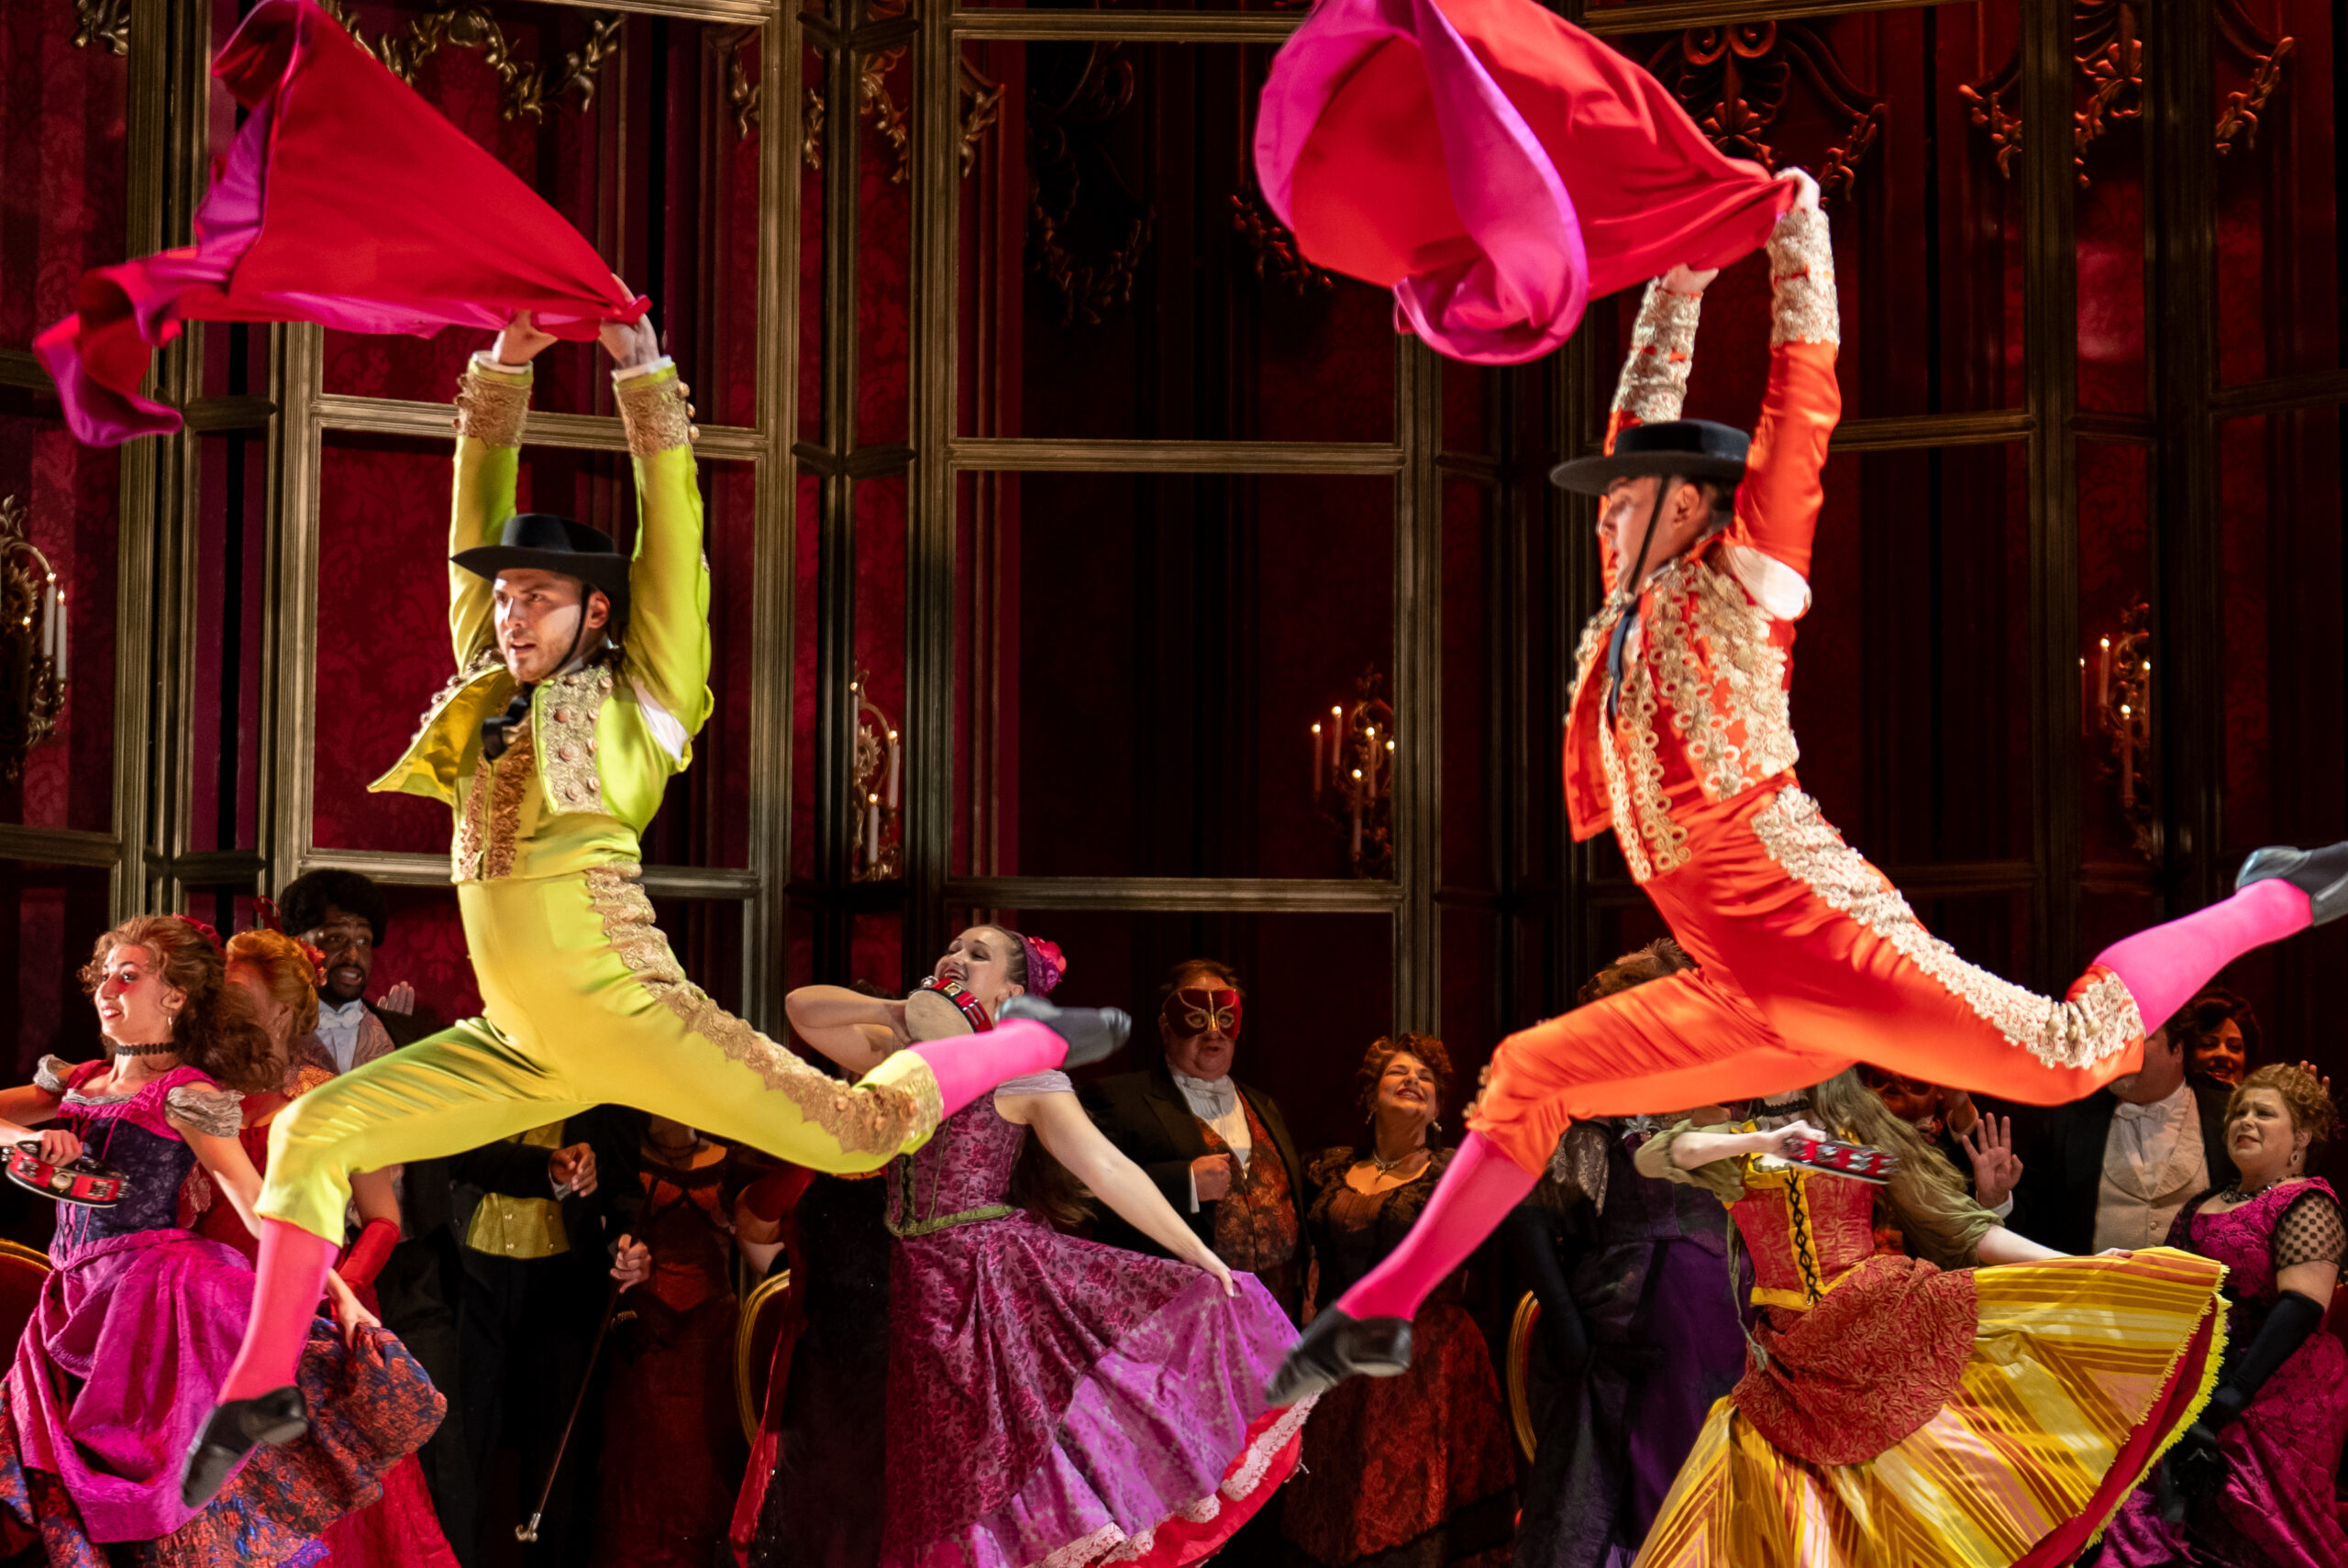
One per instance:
(2112,1170)
(1218,1149)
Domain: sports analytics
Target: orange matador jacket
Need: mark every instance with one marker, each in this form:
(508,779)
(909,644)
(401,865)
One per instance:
(1703,715)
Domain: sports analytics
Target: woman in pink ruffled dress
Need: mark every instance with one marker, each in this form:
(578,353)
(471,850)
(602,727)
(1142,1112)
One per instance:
(1053,1403)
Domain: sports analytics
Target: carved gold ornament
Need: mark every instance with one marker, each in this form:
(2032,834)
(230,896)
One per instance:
(33,643)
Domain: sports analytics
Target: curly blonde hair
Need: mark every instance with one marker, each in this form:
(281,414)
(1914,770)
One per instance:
(288,972)
(216,1030)
(2303,1094)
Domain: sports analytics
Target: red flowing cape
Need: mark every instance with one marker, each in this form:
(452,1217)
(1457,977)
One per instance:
(345,200)
(1495,166)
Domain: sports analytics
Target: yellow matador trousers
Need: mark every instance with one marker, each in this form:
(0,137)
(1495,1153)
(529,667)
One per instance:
(586,1006)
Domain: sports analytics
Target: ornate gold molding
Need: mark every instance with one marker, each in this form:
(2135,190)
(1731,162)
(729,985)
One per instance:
(102,21)
(745,94)
(33,639)
(528,88)
(1734,81)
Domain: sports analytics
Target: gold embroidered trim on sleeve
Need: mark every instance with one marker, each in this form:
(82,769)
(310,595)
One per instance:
(869,1123)
(658,418)
(2098,1022)
(569,711)
(1662,342)
(491,409)
(1801,277)
(1735,633)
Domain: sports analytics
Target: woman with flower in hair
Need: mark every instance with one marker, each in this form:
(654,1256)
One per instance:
(114,1373)
(1051,1399)
(2251,1485)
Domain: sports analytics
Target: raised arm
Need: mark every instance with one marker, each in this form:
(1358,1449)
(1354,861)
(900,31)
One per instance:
(1777,506)
(856,1030)
(493,401)
(1069,1136)
(1655,376)
(668,632)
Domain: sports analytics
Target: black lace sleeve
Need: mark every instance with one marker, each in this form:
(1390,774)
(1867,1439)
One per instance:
(2309,1232)
(1327,1169)
(2180,1230)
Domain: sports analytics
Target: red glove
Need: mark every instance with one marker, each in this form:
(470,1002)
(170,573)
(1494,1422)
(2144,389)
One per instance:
(365,1257)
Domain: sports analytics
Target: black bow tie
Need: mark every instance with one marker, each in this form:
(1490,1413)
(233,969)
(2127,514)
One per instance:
(496,732)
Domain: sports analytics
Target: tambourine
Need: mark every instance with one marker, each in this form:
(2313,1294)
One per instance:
(85,1181)
(1857,1160)
(943,1010)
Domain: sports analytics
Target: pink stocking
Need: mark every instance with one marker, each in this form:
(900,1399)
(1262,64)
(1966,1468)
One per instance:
(969,1067)
(2167,966)
(1474,1195)
(291,1274)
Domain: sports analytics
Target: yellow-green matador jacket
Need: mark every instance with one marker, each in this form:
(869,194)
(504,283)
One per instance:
(584,1002)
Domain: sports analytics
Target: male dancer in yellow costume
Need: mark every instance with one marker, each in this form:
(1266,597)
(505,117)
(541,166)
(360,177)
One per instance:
(581,678)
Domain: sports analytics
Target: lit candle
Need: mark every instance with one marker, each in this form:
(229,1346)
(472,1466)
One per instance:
(892,771)
(48,622)
(1316,759)
(1373,759)
(2127,757)
(61,639)
(2103,676)
(872,832)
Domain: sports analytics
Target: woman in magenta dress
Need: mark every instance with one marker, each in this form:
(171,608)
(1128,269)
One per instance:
(141,1316)
(1053,1403)
(2251,1483)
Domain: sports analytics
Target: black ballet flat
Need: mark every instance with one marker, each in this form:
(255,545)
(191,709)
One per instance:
(1091,1032)
(2321,874)
(1336,1347)
(230,1433)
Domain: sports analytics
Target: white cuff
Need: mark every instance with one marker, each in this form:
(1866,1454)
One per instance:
(485,360)
(2005,1210)
(629,372)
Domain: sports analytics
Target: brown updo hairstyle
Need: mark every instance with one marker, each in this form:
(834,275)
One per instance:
(1381,1053)
(287,973)
(1658,958)
(215,1030)
(2304,1096)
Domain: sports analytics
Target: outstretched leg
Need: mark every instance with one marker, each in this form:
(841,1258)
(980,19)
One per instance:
(1675,1041)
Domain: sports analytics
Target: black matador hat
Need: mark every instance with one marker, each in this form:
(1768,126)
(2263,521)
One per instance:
(548,543)
(1682,448)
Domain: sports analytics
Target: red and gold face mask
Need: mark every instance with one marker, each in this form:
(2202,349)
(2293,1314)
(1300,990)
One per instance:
(1194,1009)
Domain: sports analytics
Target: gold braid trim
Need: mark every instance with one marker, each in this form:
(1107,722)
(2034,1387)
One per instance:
(517,770)
(2098,1022)
(868,1119)
(491,409)
(1663,343)
(1752,665)
(658,418)
(1801,277)
(571,707)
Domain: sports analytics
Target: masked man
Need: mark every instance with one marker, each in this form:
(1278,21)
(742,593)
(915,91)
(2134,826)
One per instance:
(1808,959)
(581,676)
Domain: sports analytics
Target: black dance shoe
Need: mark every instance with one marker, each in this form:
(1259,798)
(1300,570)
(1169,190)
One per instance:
(1091,1032)
(2321,874)
(1336,1347)
(235,1426)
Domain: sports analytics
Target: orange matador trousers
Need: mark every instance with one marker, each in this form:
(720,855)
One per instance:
(1808,960)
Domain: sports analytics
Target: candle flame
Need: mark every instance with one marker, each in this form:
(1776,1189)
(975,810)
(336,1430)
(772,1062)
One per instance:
(2125,710)
(1356,772)
(2105,643)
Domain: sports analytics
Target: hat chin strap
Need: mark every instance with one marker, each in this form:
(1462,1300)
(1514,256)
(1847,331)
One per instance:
(1619,644)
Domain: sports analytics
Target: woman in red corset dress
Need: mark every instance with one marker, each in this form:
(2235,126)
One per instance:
(281,975)
(1899,1410)
(1679,738)
(1414,1470)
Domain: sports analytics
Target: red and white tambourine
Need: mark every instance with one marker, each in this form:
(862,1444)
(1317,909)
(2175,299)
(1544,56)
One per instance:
(1857,1161)
(85,1181)
(944,1009)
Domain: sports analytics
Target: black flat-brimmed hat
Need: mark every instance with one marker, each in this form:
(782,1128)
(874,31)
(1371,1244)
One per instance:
(1683,448)
(548,543)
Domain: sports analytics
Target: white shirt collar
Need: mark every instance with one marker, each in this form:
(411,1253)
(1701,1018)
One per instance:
(1209,1098)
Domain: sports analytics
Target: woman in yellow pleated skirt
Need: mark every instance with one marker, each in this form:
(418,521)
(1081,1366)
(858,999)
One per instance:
(1915,1412)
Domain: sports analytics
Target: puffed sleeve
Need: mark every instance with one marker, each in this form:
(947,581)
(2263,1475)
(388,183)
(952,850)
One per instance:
(200,1108)
(1725,1179)
(53,1075)
(2309,1232)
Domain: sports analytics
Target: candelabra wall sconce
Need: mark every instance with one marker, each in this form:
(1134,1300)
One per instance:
(1353,777)
(2121,714)
(878,852)
(32,643)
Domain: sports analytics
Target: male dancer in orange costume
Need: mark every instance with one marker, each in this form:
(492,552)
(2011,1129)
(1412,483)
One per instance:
(1808,958)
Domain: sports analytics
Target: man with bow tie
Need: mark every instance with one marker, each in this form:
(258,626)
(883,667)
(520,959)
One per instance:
(1218,1149)
(2113,1169)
